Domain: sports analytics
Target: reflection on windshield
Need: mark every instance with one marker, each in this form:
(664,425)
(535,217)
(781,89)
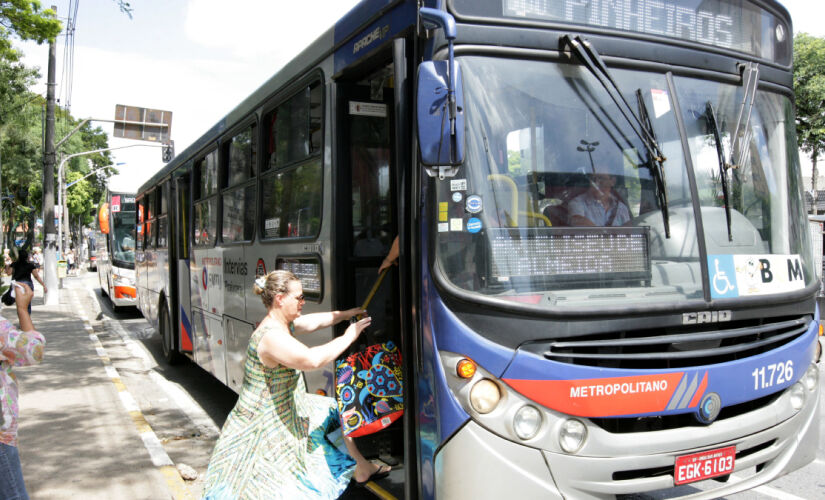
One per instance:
(556,203)
(764,186)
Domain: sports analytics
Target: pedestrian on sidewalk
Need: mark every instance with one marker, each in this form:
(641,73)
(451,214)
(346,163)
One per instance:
(18,347)
(274,444)
(70,261)
(37,257)
(22,270)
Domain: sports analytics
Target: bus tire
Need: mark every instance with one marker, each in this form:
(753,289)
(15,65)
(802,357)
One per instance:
(170,353)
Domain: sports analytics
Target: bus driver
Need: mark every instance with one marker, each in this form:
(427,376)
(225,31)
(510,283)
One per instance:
(600,205)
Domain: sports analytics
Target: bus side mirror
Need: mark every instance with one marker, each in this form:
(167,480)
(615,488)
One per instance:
(440,138)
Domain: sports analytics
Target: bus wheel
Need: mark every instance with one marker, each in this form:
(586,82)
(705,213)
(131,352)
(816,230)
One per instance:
(170,354)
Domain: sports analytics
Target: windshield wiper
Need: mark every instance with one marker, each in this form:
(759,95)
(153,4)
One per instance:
(655,164)
(750,82)
(643,130)
(710,115)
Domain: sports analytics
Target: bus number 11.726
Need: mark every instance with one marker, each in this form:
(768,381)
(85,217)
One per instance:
(776,373)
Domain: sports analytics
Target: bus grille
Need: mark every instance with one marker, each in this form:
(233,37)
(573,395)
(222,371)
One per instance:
(679,347)
(624,425)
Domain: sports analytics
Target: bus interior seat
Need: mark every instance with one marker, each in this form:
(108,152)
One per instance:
(557,197)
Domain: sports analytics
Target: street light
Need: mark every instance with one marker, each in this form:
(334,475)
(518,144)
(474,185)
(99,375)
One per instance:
(50,267)
(94,171)
(589,147)
(62,185)
(64,209)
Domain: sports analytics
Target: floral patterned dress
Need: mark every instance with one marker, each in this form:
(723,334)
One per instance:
(273,444)
(17,348)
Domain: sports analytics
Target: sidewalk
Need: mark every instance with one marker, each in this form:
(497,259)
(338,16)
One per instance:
(76,438)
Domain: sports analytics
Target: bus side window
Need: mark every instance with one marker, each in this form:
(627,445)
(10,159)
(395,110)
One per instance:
(206,206)
(151,214)
(291,185)
(139,232)
(160,222)
(238,197)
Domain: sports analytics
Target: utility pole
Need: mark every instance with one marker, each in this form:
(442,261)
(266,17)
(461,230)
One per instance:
(49,230)
(65,245)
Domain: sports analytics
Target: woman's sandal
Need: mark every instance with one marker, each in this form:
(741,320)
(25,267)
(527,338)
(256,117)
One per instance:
(382,472)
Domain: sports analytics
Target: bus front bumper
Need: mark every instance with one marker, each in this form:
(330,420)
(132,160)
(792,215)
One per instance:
(476,463)
(770,442)
(124,295)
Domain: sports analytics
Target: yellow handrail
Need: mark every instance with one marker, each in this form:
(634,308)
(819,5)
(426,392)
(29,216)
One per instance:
(536,215)
(511,184)
(513,190)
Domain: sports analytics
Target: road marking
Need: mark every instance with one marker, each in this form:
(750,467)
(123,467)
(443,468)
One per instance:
(157,454)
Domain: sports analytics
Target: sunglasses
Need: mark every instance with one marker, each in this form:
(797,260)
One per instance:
(299,298)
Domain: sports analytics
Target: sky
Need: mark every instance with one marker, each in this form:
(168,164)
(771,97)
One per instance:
(195,58)
(199,59)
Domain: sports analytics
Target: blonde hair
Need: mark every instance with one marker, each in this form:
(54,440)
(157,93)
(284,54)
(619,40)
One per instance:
(273,284)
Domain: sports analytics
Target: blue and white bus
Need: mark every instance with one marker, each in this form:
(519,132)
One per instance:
(544,357)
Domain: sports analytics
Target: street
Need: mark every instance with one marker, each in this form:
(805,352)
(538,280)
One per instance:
(104,417)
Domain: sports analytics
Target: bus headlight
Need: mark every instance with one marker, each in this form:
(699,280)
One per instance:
(572,436)
(484,396)
(797,396)
(121,280)
(811,377)
(527,421)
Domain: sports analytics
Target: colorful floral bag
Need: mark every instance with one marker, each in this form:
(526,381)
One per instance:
(369,389)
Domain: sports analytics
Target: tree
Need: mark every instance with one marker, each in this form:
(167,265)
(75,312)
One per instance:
(21,149)
(26,20)
(809,90)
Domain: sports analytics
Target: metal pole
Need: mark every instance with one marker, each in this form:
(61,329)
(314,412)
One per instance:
(60,204)
(67,229)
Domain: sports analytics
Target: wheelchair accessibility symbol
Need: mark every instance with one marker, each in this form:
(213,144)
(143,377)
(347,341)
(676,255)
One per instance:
(723,279)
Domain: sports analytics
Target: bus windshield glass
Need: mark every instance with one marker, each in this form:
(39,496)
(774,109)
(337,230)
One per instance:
(123,237)
(558,204)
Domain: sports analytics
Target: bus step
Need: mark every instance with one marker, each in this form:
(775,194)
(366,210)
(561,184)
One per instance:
(390,487)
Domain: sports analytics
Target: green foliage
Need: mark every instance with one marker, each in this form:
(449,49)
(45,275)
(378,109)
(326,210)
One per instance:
(21,127)
(809,89)
(26,20)
(514,162)
(22,166)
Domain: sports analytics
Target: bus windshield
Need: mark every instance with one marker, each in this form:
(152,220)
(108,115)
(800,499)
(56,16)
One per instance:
(123,254)
(558,201)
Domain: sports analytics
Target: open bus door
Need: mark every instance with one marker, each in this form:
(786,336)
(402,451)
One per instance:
(371,148)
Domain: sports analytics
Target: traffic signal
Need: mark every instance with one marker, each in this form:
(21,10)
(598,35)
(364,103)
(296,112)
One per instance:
(168,151)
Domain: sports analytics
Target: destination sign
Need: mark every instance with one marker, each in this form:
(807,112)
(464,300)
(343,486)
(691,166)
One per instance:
(729,24)
(577,254)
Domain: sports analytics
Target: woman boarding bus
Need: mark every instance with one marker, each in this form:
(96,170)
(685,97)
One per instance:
(542,357)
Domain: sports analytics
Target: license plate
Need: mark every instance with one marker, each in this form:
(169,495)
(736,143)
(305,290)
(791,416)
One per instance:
(704,465)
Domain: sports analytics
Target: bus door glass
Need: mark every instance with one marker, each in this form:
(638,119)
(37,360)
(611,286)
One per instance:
(366,116)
